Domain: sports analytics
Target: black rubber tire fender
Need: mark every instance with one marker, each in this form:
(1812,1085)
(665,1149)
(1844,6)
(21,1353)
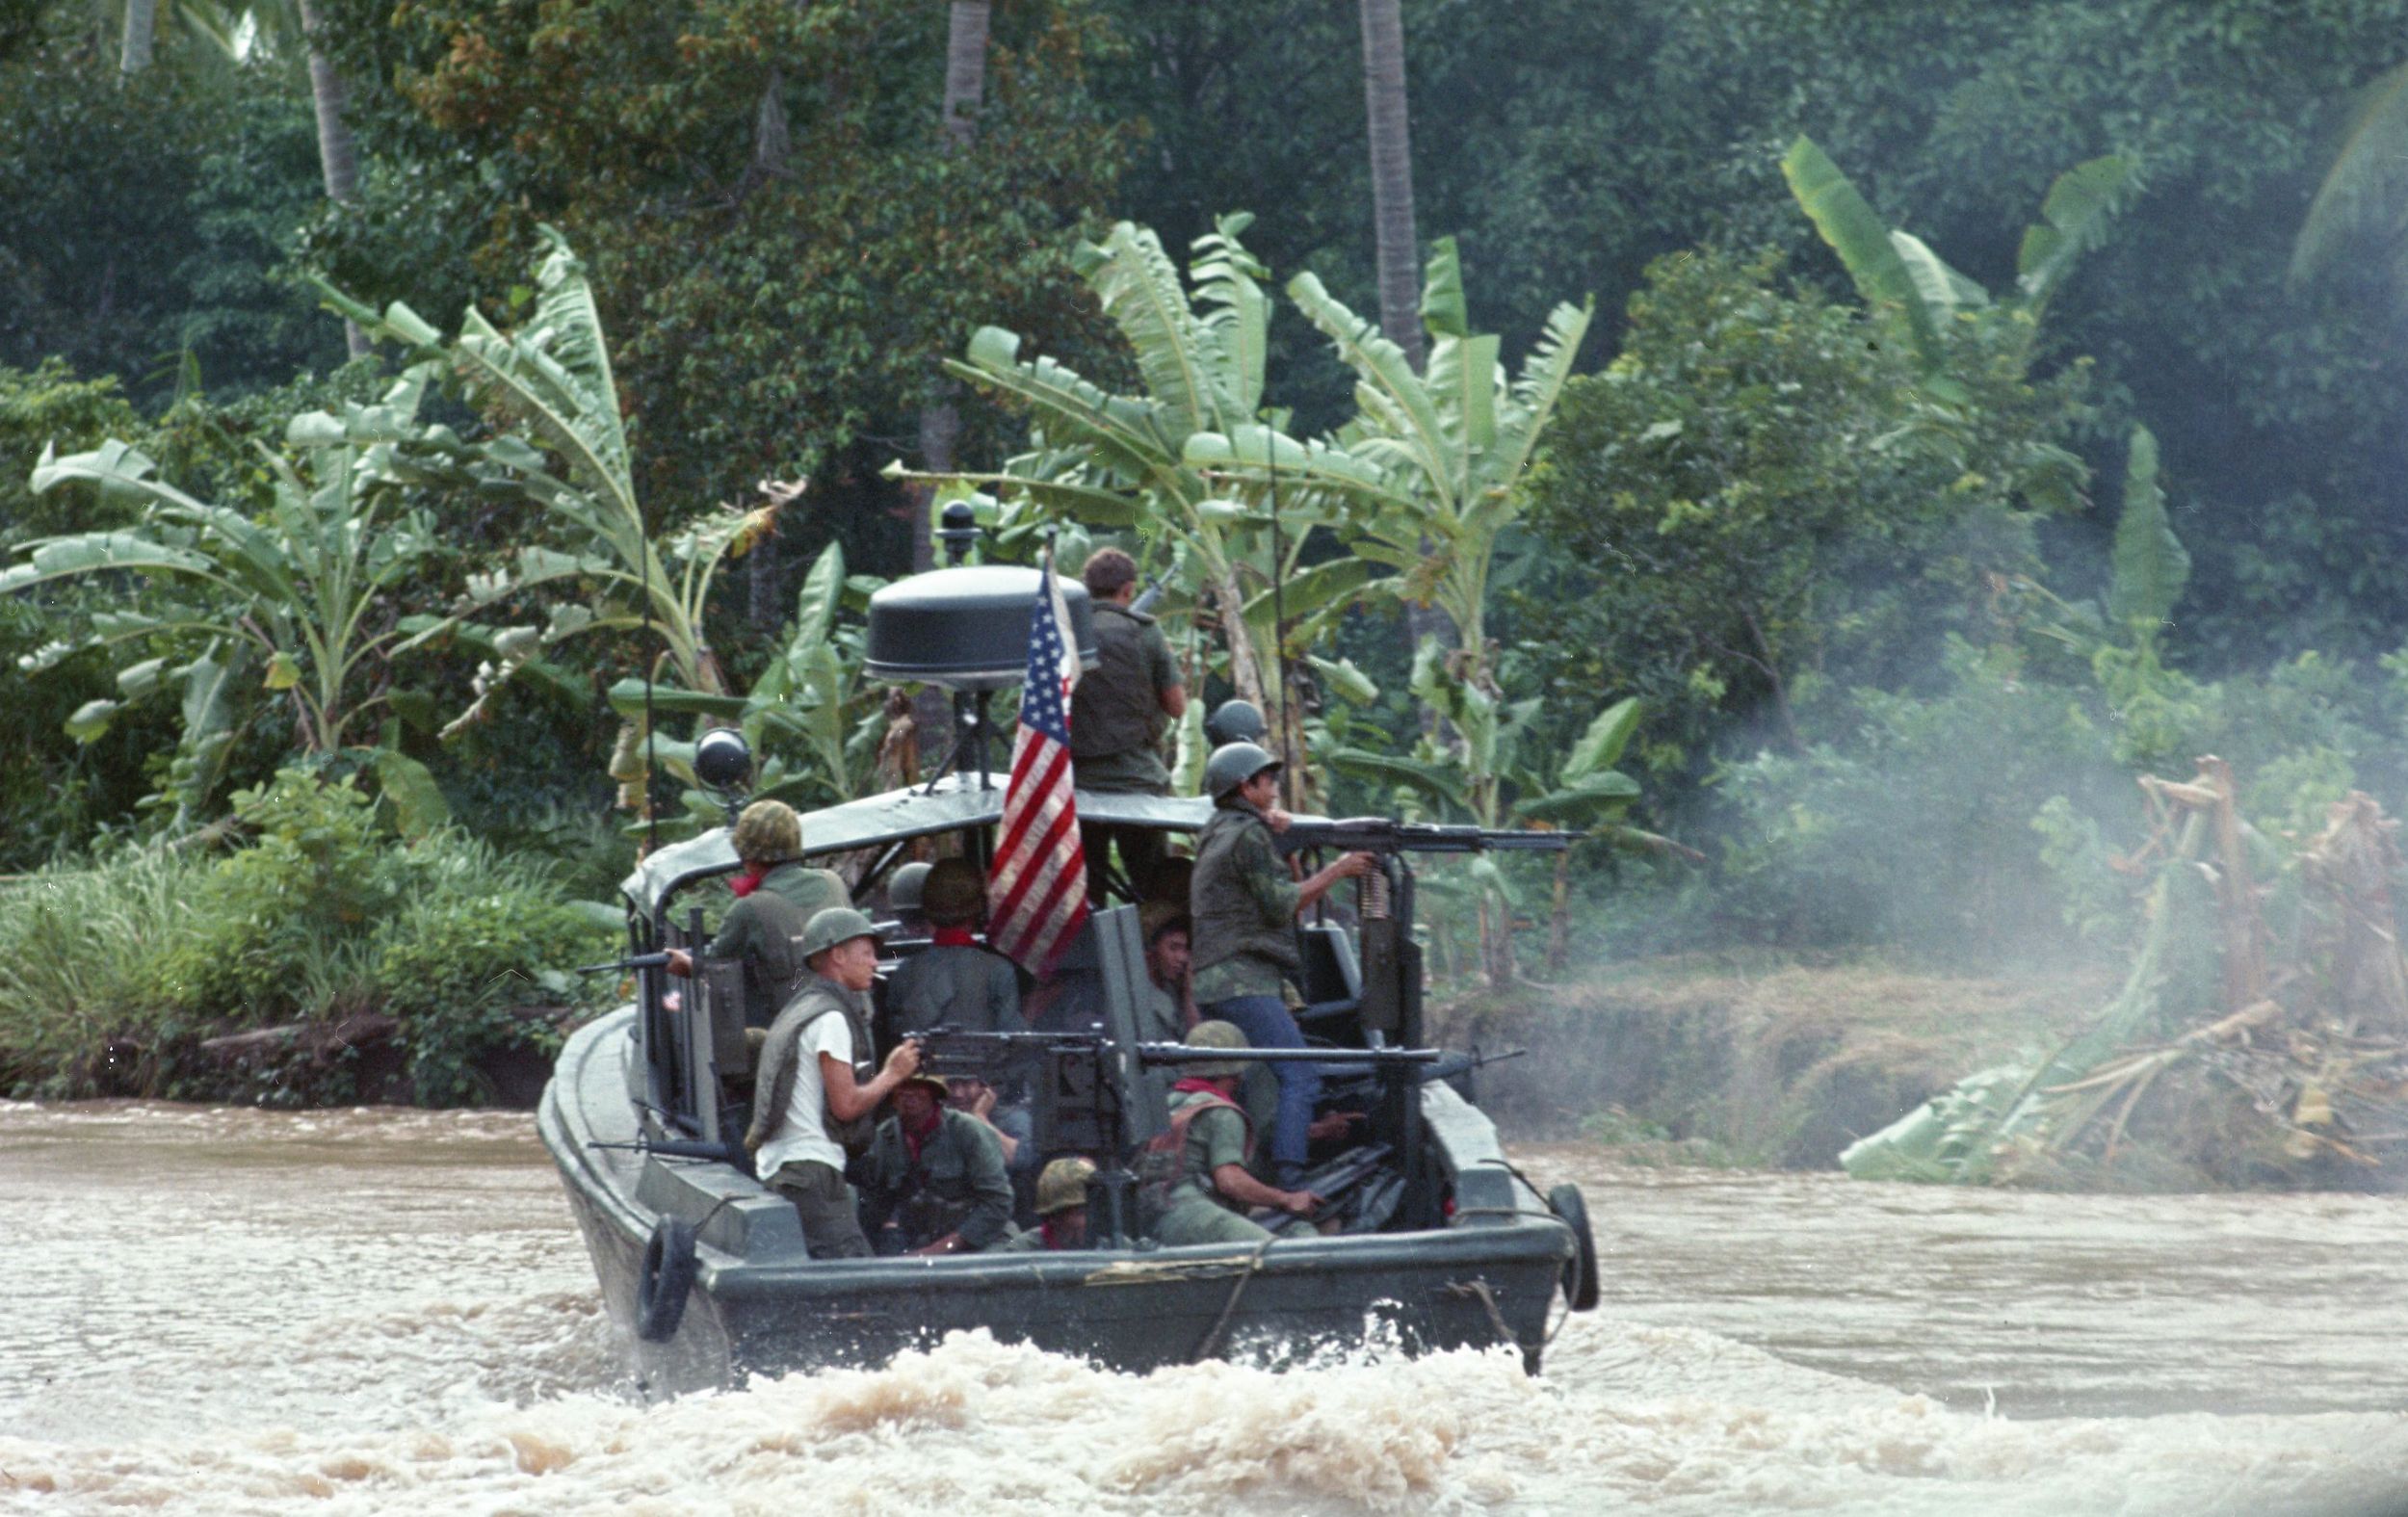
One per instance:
(669,1266)
(1580,1280)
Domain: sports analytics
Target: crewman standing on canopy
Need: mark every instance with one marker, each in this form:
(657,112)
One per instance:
(1244,907)
(1117,715)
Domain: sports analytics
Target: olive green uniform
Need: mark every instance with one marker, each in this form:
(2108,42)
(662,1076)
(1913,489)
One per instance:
(1243,904)
(955,1186)
(1029,1242)
(1116,710)
(1218,1135)
(953,985)
(1160,1019)
(1116,723)
(761,930)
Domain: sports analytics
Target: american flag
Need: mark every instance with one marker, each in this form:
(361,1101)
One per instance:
(1036,893)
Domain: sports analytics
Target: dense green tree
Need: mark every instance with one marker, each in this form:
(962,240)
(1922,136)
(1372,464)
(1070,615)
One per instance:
(1761,492)
(773,308)
(149,221)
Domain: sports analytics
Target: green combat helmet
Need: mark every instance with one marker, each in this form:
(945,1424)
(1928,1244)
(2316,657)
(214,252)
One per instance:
(1232,765)
(832,926)
(953,893)
(905,891)
(1063,1185)
(769,832)
(1235,722)
(1212,1032)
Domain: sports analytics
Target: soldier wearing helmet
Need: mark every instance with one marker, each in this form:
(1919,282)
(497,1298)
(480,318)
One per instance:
(933,1180)
(812,1095)
(1118,711)
(906,890)
(775,897)
(1193,1184)
(1061,1208)
(1246,903)
(953,981)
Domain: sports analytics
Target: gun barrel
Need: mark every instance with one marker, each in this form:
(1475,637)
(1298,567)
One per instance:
(1182,1053)
(624,965)
(1381,835)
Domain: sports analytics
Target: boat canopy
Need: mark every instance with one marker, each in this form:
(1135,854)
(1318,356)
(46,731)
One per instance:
(957,801)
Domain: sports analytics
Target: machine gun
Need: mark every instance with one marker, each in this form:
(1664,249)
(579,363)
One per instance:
(951,1053)
(624,966)
(1338,1183)
(1383,835)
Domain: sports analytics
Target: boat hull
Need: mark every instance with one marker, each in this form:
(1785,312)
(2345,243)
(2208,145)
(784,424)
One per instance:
(759,1304)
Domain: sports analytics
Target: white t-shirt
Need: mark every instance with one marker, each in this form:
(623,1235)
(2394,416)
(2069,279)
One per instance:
(803,1133)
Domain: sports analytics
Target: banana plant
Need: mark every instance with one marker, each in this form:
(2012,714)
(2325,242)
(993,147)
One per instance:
(1423,480)
(810,702)
(1585,795)
(551,380)
(551,377)
(1116,461)
(288,603)
(1896,272)
(1481,773)
(2358,207)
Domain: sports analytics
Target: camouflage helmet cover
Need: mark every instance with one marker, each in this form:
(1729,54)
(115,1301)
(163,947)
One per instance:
(833,925)
(1232,765)
(1063,1185)
(908,886)
(1212,1032)
(769,832)
(953,892)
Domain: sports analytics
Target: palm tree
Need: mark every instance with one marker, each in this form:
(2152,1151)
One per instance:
(1392,174)
(337,157)
(141,25)
(965,86)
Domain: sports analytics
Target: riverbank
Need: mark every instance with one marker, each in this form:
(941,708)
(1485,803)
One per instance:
(1713,1060)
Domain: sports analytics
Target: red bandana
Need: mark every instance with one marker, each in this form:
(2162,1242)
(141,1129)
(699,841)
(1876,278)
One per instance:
(1198,1082)
(746,883)
(915,1137)
(954,937)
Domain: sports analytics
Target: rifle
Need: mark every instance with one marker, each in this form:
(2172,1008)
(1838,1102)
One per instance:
(623,966)
(1384,835)
(1149,597)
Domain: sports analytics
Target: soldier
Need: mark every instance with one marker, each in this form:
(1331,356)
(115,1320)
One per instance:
(1061,1208)
(906,890)
(954,983)
(1165,1013)
(1246,904)
(1011,1126)
(1193,1182)
(777,896)
(933,1182)
(1117,715)
(810,1091)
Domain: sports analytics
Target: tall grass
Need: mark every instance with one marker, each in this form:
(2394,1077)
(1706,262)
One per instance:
(112,971)
(79,949)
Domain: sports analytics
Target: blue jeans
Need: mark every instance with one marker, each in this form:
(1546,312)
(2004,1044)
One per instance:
(1266,1023)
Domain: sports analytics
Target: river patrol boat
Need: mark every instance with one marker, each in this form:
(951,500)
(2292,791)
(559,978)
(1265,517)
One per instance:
(1438,1243)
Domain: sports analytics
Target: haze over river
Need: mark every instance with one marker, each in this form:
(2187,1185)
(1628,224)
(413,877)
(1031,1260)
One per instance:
(233,1311)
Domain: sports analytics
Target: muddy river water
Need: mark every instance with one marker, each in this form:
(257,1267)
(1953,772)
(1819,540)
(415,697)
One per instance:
(232,1311)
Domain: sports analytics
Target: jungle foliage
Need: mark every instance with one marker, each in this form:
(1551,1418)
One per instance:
(1902,428)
